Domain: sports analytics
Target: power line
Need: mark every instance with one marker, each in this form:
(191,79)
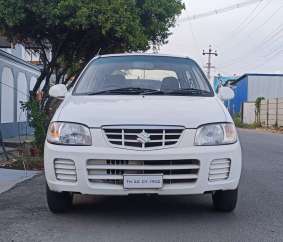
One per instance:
(235,43)
(192,30)
(267,60)
(277,31)
(220,11)
(263,43)
(254,17)
(277,47)
(267,39)
(268,19)
(235,30)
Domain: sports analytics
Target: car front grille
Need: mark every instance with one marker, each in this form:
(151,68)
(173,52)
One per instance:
(173,171)
(143,137)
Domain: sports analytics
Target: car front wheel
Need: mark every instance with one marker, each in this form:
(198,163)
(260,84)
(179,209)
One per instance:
(225,201)
(58,202)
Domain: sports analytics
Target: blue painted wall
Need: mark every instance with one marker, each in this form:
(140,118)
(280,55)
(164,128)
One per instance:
(241,96)
(16,129)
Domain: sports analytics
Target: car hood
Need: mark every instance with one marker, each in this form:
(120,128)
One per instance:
(97,111)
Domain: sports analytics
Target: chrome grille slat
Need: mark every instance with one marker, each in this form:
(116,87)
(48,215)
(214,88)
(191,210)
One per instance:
(63,177)
(61,166)
(219,171)
(105,177)
(119,140)
(152,141)
(219,166)
(177,177)
(120,177)
(156,136)
(143,167)
(66,172)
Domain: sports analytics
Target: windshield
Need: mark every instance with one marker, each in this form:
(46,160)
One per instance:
(146,75)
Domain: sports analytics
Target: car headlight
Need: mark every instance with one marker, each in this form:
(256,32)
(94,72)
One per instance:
(216,134)
(63,133)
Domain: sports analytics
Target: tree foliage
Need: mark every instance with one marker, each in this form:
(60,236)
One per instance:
(38,120)
(74,30)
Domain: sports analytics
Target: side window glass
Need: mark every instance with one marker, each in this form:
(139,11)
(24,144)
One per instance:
(200,79)
(190,80)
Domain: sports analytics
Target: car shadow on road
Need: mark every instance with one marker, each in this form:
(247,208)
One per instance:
(143,206)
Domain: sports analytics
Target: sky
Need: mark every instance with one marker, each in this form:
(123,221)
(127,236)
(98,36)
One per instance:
(248,39)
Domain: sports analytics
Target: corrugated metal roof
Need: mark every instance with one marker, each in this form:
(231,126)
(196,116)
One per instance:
(253,74)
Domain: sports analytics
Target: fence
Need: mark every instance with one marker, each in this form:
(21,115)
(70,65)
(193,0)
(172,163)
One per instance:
(249,113)
(271,112)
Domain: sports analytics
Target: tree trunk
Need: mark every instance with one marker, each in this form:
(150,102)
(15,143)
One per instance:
(38,83)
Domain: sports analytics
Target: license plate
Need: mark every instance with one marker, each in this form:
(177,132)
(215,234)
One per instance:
(143,181)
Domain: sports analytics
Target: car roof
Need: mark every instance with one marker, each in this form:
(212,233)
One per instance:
(144,54)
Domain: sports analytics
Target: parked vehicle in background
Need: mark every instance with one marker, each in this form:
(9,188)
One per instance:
(142,124)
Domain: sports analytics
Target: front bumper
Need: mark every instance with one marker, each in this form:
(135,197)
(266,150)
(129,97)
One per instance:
(80,156)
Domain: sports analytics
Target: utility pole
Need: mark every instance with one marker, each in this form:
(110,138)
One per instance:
(209,66)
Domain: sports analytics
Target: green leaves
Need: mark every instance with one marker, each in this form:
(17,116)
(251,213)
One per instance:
(131,24)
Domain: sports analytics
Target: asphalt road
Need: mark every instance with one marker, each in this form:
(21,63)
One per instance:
(258,217)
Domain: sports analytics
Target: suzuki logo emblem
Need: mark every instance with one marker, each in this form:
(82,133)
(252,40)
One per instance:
(143,137)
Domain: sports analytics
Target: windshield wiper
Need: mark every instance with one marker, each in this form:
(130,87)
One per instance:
(148,91)
(125,90)
(190,91)
(153,92)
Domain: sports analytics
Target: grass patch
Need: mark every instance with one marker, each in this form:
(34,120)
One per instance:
(28,163)
(238,123)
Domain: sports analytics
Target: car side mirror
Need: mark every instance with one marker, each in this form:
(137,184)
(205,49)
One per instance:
(58,91)
(226,93)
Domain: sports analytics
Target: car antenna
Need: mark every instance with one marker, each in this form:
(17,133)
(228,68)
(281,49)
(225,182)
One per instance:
(98,52)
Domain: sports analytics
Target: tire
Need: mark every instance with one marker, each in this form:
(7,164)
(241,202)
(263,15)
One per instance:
(225,201)
(58,202)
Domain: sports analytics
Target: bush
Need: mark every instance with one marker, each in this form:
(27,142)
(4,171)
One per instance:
(238,123)
(237,120)
(38,120)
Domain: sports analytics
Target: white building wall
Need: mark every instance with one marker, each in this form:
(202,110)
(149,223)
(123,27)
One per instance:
(22,90)
(7,95)
(264,86)
(17,78)
(19,51)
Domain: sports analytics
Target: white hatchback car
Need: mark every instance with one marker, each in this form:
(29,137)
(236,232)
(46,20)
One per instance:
(142,124)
